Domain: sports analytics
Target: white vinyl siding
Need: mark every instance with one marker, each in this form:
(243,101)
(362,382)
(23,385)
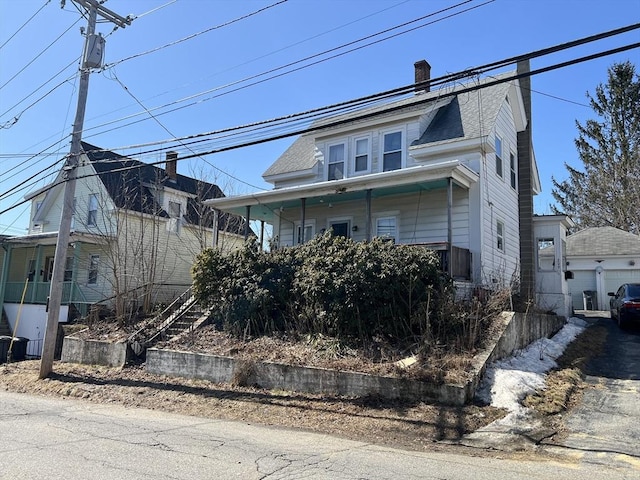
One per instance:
(92,210)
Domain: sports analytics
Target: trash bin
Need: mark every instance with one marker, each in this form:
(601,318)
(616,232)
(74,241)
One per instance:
(19,349)
(589,299)
(4,348)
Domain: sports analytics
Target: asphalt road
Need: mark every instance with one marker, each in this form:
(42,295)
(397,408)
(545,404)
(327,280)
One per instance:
(606,425)
(50,438)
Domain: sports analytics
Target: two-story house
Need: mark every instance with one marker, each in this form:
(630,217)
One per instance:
(451,169)
(135,232)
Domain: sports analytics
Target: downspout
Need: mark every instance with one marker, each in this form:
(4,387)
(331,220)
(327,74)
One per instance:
(449,226)
(216,224)
(303,213)
(246,225)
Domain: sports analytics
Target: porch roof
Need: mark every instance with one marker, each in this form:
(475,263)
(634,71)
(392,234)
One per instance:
(264,205)
(50,238)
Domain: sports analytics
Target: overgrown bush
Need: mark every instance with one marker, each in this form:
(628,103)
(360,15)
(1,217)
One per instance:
(328,286)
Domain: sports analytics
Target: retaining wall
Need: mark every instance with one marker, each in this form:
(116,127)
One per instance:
(516,331)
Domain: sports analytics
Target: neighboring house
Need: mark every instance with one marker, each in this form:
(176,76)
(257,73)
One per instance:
(135,231)
(451,169)
(601,259)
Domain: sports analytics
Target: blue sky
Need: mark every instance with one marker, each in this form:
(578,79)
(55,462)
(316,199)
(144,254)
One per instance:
(41,56)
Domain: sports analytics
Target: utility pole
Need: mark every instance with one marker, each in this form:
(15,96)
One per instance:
(69,173)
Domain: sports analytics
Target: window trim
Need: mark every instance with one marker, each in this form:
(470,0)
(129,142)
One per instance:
(500,236)
(403,137)
(308,223)
(344,159)
(92,213)
(93,269)
(354,156)
(514,171)
(396,236)
(499,165)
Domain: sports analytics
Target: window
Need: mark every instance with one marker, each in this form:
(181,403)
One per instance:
(68,269)
(94,261)
(336,162)
(309,231)
(175,215)
(387,228)
(500,235)
(546,254)
(38,205)
(392,154)
(361,163)
(92,214)
(514,178)
(498,156)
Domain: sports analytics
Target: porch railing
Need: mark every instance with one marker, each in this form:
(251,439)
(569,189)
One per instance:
(460,259)
(37,293)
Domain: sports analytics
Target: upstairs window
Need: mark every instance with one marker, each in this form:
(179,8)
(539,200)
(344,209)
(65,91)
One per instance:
(361,162)
(175,215)
(514,177)
(336,162)
(392,153)
(92,210)
(498,156)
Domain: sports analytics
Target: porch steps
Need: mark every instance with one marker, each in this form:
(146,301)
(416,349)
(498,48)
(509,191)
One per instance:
(182,319)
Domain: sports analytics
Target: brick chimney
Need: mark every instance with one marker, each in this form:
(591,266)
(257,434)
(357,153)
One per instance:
(171,165)
(423,74)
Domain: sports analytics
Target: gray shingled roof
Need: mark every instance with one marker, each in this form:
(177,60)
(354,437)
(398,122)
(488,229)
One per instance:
(601,241)
(458,119)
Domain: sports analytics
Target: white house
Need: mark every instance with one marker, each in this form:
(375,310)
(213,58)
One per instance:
(451,169)
(135,232)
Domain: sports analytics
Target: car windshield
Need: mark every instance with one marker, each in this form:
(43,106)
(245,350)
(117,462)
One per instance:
(634,291)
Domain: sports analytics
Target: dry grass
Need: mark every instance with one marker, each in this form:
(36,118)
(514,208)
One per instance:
(564,385)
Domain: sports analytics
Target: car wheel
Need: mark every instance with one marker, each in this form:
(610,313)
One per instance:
(621,320)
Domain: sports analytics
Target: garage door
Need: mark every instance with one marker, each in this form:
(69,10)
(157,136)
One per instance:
(582,280)
(614,278)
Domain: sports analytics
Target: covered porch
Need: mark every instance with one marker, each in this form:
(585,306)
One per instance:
(392,205)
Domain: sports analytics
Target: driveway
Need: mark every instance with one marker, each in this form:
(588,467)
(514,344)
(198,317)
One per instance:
(605,427)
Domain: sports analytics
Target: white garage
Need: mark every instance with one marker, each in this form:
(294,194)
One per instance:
(601,259)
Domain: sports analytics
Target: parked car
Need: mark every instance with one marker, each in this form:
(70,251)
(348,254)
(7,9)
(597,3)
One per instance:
(625,304)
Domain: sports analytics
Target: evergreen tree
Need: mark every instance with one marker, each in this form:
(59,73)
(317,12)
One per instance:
(607,191)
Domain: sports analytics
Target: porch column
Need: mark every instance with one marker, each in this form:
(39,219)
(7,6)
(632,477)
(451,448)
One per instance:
(36,275)
(449,226)
(261,235)
(216,224)
(368,215)
(5,274)
(303,212)
(77,248)
(246,225)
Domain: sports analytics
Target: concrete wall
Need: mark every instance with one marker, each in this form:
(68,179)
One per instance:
(295,378)
(94,352)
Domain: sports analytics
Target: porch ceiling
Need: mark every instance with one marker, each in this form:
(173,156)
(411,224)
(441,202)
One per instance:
(266,205)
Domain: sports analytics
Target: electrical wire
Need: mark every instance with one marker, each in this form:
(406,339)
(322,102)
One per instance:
(39,55)
(25,24)
(368,115)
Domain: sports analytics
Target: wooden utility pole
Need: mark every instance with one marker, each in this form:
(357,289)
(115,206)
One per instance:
(69,174)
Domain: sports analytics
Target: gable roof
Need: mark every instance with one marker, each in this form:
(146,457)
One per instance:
(129,183)
(456,116)
(602,241)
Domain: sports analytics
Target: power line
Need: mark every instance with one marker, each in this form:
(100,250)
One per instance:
(194,35)
(377,112)
(25,24)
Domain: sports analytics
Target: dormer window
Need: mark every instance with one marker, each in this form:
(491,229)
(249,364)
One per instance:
(336,161)
(392,154)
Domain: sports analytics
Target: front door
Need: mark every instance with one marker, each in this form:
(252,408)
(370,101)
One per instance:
(341,228)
